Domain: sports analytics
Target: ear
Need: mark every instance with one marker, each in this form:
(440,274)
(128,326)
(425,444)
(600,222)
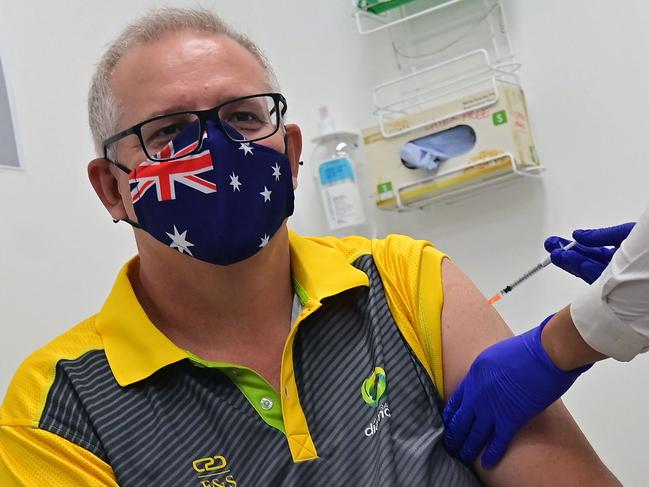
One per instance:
(294,149)
(104,181)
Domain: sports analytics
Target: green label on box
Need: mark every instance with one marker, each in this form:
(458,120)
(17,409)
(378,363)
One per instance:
(385,191)
(499,118)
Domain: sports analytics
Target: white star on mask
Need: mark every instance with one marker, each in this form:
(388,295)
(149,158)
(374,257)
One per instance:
(264,241)
(245,147)
(179,241)
(266,194)
(234,182)
(276,172)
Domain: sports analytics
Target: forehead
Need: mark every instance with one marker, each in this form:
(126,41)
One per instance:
(184,70)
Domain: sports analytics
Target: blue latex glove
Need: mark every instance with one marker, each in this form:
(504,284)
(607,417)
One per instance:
(507,385)
(413,157)
(594,250)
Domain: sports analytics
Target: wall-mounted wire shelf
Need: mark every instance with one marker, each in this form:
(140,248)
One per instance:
(454,185)
(454,64)
(368,22)
(454,79)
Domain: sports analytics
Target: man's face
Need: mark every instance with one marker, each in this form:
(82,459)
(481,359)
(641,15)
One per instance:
(182,71)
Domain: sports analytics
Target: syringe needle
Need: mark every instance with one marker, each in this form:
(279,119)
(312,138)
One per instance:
(499,295)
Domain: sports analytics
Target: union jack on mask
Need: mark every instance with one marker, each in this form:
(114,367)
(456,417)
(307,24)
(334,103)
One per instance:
(220,205)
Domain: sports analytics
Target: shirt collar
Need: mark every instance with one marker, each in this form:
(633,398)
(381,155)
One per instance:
(320,269)
(136,349)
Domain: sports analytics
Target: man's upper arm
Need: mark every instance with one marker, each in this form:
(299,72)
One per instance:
(31,456)
(551,449)
(37,445)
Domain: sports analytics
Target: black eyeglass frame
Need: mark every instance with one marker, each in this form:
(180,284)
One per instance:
(203,116)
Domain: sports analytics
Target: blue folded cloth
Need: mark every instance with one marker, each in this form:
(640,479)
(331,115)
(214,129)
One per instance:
(429,151)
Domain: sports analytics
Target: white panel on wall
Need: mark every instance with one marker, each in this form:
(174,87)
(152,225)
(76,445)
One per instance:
(8,146)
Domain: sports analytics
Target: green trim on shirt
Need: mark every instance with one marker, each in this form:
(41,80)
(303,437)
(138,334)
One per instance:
(301,292)
(259,393)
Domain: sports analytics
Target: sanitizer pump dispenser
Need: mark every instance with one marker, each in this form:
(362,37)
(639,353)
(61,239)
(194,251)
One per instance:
(340,179)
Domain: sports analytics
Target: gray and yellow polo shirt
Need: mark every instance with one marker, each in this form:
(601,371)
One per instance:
(114,402)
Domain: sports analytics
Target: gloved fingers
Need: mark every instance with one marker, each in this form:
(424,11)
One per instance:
(608,236)
(458,429)
(497,448)
(591,270)
(600,254)
(453,404)
(478,437)
(555,242)
(568,261)
(577,265)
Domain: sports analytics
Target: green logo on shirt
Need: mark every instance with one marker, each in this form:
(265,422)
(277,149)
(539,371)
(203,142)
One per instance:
(374,387)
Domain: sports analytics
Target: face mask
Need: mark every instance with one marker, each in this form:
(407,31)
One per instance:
(221,205)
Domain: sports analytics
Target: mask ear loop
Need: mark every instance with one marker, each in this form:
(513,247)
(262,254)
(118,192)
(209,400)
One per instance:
(129,221)
(121,166)
(301,163)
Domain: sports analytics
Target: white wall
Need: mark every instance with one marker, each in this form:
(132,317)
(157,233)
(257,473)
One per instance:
(585,72)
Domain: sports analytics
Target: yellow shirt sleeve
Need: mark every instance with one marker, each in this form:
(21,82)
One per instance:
(430,303)
(34,457)
(411,271)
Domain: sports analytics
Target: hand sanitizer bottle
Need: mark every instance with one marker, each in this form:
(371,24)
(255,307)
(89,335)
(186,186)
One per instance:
(337,178)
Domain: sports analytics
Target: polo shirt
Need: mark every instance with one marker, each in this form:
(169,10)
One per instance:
(114,402)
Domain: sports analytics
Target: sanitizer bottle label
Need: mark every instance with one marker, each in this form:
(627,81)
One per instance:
(340,194)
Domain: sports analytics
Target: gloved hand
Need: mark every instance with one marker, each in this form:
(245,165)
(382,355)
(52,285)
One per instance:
(594,250)
(507,385)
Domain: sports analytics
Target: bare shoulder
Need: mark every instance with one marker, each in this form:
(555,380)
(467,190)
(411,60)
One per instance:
(469,325)
(551,449)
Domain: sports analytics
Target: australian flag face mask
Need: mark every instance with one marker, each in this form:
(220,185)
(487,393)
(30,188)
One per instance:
(220,205)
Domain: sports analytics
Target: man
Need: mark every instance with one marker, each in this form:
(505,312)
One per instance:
(231,351)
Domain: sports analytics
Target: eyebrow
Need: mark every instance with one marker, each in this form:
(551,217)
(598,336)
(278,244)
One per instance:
(167,111)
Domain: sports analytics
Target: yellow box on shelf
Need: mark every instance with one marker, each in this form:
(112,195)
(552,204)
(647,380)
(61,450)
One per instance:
(452,156)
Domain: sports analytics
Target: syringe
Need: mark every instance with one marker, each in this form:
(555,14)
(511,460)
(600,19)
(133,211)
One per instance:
(499,295)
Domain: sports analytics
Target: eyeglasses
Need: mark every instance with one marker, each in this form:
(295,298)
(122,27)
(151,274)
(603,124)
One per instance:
(246,119)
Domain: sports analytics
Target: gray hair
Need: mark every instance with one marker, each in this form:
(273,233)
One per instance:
(103,109)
